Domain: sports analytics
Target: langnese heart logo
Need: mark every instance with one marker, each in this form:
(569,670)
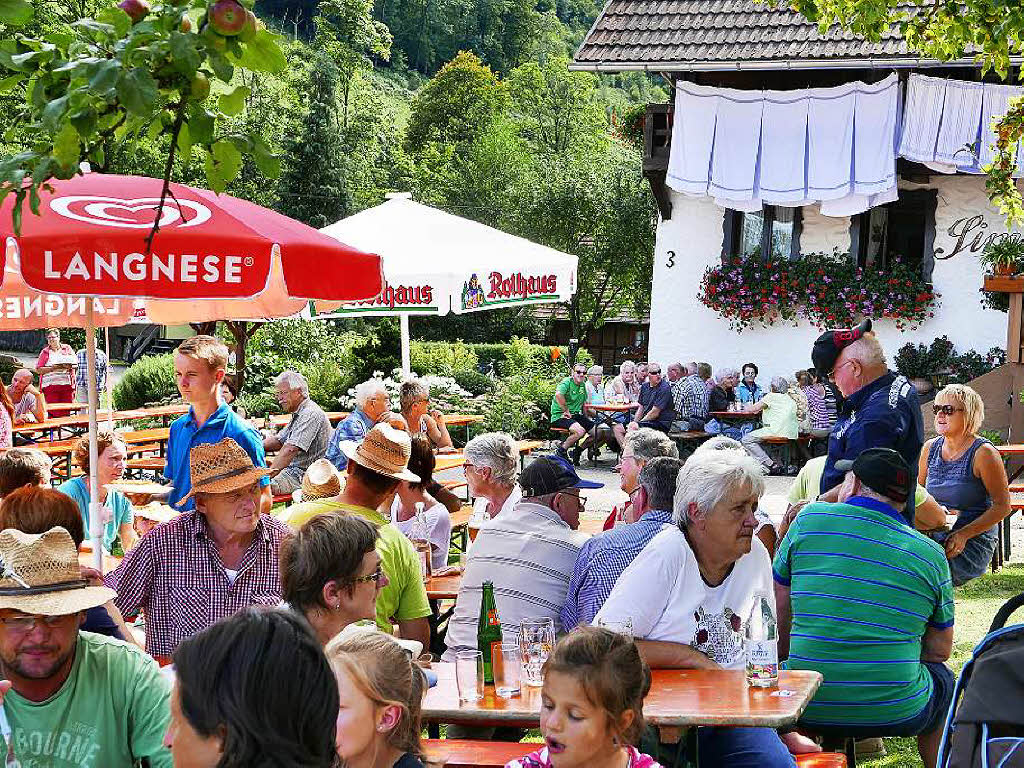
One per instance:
(130,214)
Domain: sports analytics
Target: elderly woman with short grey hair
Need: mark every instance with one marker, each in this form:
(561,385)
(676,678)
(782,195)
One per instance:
(414,399)
(641,445)
(689,591)
(303,440)
(779,418)
(723,394)
(492,472)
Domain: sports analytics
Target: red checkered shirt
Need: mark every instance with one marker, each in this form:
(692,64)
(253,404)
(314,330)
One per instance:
(174,574)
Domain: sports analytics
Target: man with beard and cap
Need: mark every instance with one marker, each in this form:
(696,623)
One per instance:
(883,410)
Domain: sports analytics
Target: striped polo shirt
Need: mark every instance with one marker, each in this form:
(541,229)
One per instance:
(864,586)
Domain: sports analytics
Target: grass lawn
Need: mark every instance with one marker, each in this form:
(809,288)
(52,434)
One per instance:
(976,604)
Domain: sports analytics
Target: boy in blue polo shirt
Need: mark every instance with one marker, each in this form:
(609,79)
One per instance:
(199,367)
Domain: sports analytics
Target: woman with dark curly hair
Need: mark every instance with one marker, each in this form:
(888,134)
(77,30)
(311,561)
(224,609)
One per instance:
(253,691)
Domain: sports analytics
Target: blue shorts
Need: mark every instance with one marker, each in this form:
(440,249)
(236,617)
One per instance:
(927,720)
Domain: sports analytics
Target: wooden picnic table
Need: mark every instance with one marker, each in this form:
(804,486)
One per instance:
(445,461)
(735,415)
(282,419)
(444,587)
(66,407)
(158,435)
(679,698)
(162,412)
(58,423)
(109,561)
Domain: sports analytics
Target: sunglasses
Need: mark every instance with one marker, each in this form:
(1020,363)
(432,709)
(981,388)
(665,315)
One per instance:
(949,410)
(377,576)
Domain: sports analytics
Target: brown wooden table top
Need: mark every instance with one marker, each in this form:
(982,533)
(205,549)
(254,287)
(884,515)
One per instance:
(444,587)
(446,461)
(109,561)
(174,409)
(56,447)
(735,415)
(74,420)
(461,517)
(282,419)
(158,434)
(678,698)
(462,419)
(66,407)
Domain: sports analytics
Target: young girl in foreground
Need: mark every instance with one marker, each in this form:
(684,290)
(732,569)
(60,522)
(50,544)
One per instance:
(381,690)
(591,704)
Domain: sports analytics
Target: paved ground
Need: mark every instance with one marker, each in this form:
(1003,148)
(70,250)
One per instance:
(114,371)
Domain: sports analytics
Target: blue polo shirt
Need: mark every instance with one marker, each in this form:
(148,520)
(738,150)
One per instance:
(884,414)
(185,434)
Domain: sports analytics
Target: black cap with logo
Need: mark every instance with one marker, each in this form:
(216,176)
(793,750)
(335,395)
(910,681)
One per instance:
(883,470)
(828,346)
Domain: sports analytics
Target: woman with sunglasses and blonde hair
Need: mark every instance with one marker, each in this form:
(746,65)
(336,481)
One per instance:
(381,689)
(965,473)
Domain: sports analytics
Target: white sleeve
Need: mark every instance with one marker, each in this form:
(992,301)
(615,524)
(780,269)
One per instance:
(643,591)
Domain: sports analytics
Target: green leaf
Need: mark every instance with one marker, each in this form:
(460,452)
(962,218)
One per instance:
(9,83)
(268,163)
(221,66)
(17,13)
(53,112)
(233,103)
(228,159)
(213,177)
(263,54)
(155,129)
(201,124)
(118,19)
(104,76)
(137,91)
(66,146)
(183,50)
(185,143)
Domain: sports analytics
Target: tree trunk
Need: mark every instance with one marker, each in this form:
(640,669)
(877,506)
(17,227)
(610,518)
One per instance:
(241,331)
(208,328)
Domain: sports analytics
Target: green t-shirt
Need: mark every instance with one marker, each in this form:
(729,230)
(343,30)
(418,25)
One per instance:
(575,396)
(864,588)
(404,597)
(111,711)
(807,483)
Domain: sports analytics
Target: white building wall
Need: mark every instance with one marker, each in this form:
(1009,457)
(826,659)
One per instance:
(684,329)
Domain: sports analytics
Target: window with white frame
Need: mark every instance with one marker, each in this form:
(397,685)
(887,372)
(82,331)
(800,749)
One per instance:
(772,231)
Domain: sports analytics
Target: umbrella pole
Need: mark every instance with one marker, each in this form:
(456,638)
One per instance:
(403,324)
(108,388)
(95,508)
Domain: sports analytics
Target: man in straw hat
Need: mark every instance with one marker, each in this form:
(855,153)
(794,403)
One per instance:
(209,562)
(72,698)
(375,467)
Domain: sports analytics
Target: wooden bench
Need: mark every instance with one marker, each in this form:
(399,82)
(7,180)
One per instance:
(463,753)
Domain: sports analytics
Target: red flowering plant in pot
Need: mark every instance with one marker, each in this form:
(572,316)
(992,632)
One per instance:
(827,290)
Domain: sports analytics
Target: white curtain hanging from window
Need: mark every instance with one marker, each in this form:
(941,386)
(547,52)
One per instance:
(948,123)
(834,146)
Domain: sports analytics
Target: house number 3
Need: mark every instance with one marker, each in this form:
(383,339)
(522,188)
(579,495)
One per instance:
(671,262)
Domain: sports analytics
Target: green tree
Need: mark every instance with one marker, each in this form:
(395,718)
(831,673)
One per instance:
(350,35)
(456,106)
(312,188)
(125,76)
(555,107)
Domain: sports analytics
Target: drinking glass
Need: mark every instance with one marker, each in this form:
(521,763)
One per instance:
(624,627)
(536,639)
(469,675)
(507,670)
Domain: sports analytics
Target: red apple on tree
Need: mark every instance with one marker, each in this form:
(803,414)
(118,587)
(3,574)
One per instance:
(248,33)
(227,17)
(137,10)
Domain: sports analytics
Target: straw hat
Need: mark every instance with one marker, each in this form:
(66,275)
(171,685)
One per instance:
(41,574)
(385,450)
(320,481)
(220,468)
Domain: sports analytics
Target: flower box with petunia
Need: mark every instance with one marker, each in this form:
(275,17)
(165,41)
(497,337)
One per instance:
(826,290)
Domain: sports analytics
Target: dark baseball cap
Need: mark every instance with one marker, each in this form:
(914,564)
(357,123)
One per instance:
(551,474)
(883,470)
(828,346)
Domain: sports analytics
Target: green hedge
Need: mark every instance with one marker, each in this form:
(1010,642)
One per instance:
(443,358)
(149,380)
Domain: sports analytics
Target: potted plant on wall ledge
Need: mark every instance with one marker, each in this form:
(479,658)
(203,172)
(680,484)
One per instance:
(1003,259)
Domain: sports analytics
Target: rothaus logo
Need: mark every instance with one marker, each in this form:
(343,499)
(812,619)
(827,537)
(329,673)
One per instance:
(520,286)
(401,296)
(138,213)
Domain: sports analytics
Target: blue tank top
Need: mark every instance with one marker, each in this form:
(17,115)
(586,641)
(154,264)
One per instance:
(953,483)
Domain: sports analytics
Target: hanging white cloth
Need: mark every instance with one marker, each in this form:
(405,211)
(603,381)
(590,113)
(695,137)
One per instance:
(948,123)
(750,148)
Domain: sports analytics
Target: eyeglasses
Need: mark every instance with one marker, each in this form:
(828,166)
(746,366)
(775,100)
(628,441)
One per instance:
(377,576)
(836,369)
(25,624)
(579,499)
(949,410)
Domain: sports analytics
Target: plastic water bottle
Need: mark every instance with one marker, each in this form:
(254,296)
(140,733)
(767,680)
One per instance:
(421,541)
(761,643)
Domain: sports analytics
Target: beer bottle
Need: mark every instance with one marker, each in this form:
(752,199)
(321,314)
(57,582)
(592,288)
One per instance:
(488,633)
